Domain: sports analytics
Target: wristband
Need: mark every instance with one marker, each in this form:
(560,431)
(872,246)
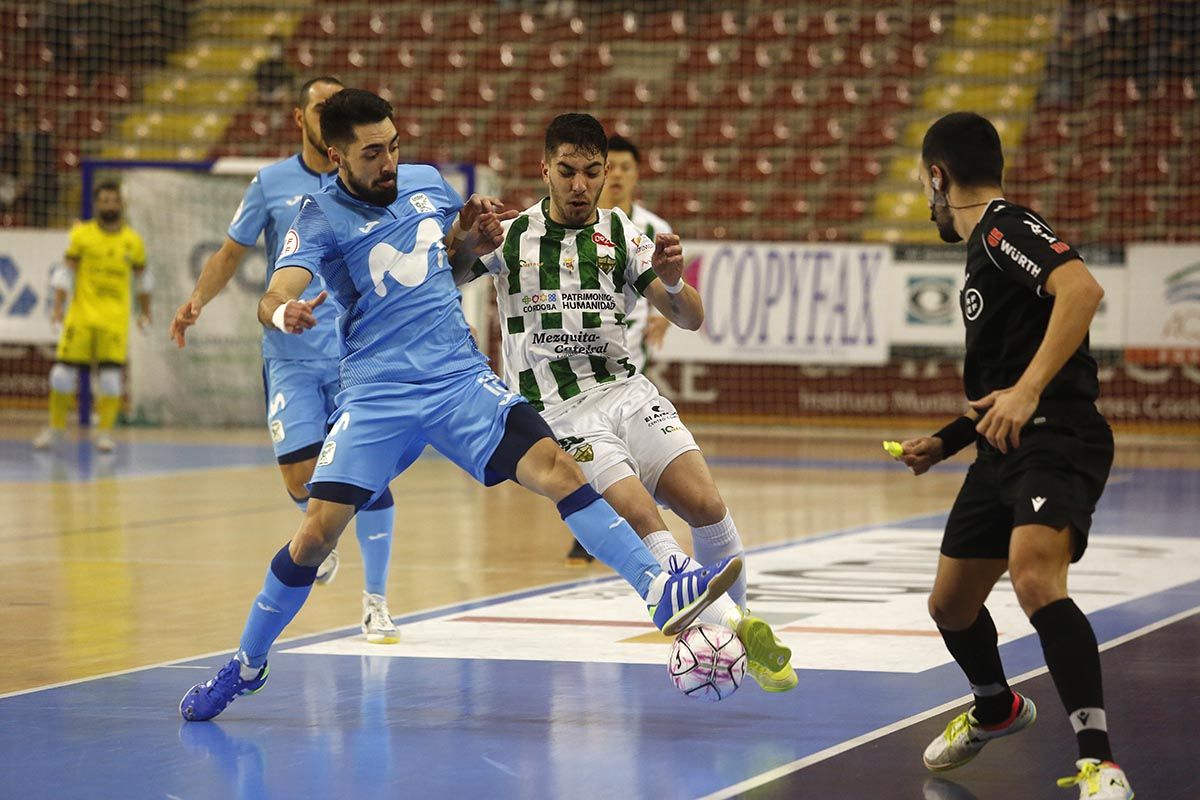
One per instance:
(676,288)
(277,317)
(957,435)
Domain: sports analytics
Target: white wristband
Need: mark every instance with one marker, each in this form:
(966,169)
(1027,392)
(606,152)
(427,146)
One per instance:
(277,317)
(676,288)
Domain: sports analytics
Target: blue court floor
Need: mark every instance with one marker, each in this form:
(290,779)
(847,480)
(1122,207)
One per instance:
(528,712)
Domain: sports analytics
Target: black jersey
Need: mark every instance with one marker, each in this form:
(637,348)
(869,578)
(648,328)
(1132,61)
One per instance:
(1010,254)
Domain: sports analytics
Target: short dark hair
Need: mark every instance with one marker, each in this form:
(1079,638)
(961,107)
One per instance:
(582,131)
(106,186)
(967,146)
(302,95)
(619,144)
(348,109)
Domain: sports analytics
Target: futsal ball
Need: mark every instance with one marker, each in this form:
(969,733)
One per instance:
(707,662)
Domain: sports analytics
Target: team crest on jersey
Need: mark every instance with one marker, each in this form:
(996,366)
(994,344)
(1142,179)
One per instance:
(277,433)
(606,263)
(422,203)
(568,263)
(327,453)
(578,448)
(291,243)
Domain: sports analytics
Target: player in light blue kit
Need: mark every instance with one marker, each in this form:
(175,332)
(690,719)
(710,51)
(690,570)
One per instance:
(300,373)
(411,376)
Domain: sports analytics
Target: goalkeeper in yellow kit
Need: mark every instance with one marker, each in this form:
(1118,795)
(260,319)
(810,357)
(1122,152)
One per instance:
(104,258)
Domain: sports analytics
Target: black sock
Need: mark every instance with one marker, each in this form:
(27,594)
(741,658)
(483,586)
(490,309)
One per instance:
(976,652)
(1069,645)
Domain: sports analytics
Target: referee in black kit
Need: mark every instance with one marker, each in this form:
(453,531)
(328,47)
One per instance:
(1043,454)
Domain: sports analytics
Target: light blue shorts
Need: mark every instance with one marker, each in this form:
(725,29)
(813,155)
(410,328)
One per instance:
(300,397)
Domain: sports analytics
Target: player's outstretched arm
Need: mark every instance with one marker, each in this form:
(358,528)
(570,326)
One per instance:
(213,277)
(1077,295)
(281,307)
(476,232)
(670,294)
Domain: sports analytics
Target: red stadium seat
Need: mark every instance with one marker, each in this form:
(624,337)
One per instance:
(700,167)
(516,28)
(803,64)
(731,204)
(1146,168)
(789,96)
(682,95)
(804,170)
(1186,209)
(663,27)
(372,25)
(1089,169)
(1047,131)
(823,132)
(1160,131)
(1129,215)
(629,94)
(841,206)
(858,170)
(595,60)
(399,59)
(876,134)
(714,27)
(766,27)
(1030,168)
(769,131)
(616,26)
(735,95)
(1105,130)
(751,61)
(699,59)
(785,205)
(577,95)
(718,130)
(678,205)
(1076,206)
(840,98)
(661,130)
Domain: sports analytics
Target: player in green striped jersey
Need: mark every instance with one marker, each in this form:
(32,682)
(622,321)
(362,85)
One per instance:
(567,276)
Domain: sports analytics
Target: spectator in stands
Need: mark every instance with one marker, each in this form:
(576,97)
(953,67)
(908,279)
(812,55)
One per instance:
(273,77)
(28,183)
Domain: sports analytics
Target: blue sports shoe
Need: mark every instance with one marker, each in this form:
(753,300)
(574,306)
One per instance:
(686,594)
(206,700)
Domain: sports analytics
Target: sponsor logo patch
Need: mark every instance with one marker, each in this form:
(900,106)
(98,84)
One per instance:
(994,237)
(1060,247)
(327,454)
(602,240)
(421,203)
(291,243)
(277,434)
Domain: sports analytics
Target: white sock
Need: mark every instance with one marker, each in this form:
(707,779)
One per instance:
(662,545)
(712,543)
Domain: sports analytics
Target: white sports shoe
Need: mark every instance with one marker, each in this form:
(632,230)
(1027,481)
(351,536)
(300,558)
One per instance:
(104,442)
(328,568)
(964,737)
(48,438)
(377,621)
(1098,780)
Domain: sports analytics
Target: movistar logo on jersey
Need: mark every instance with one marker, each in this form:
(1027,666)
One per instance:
(1020,259)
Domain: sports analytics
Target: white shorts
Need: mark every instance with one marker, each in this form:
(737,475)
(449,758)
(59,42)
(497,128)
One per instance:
(618,431)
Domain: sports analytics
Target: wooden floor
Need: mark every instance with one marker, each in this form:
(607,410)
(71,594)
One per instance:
(128,570)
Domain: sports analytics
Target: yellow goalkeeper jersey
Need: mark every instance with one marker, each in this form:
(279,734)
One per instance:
(102,281)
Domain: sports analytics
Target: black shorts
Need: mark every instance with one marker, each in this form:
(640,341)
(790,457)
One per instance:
(1054,478)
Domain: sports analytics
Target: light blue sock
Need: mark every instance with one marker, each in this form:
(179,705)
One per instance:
(373,527)
(284,591)
(608,537)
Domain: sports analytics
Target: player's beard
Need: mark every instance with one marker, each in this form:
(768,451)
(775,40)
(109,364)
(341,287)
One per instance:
(574,217)
(315,140)
(376,195)
(109,217)
(941,215)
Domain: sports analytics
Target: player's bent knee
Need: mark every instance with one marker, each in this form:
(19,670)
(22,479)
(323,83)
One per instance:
(109,382)
(64,378)
(949,618)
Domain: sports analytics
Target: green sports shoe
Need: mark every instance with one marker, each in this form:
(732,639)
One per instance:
(768,660)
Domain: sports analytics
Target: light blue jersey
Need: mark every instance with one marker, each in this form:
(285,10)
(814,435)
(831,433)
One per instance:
(269,206)
(387,267)
(411,374)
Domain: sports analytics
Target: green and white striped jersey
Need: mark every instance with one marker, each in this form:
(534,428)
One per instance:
(563,295)
(648,223)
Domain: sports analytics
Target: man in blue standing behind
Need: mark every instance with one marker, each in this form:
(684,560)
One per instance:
(300,374)
(381,238)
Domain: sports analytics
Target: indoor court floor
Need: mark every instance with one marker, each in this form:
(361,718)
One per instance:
(127,579)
